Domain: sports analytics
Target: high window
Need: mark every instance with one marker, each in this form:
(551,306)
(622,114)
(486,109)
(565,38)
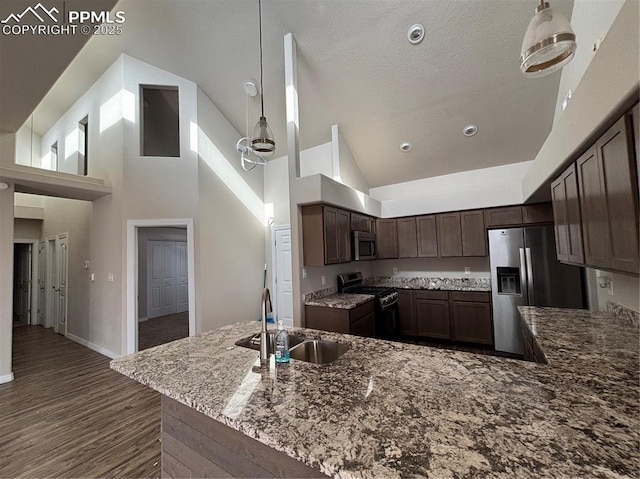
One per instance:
(160,124)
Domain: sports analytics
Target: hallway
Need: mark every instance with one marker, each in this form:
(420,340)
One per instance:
(67,414)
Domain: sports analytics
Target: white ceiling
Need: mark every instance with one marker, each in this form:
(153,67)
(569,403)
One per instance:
(356,69)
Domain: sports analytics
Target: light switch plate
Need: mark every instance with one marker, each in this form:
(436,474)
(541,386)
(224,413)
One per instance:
(304,273)
(110,277)
(467,270)
(324,280)
(395,270)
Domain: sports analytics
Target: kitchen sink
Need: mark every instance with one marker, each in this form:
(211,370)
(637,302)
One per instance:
(318,352)
(309,350)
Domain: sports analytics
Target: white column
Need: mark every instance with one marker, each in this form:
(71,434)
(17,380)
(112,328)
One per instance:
(293,152)
(6,281)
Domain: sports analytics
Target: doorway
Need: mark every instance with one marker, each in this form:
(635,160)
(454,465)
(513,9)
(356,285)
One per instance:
(160,282)
(22,283)
(52,283)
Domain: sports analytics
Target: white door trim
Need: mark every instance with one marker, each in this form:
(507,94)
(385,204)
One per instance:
(131,339)
(34,277)
(274,267)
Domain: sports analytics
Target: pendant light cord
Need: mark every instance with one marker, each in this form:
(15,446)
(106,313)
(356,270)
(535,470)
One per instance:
(261,86)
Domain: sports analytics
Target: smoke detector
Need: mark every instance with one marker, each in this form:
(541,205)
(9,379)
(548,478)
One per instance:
(415,34)
(470,130)
(250,88)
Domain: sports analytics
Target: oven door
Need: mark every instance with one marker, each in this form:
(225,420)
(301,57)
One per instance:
(364,246)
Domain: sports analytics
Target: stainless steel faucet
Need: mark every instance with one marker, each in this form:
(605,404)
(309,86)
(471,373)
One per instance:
(264,337)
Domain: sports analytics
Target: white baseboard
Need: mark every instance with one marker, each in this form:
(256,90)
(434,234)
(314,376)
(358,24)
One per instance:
(142,320)
(7,378)
(92,346)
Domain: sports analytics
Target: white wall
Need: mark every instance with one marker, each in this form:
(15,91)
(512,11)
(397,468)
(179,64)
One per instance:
(317,160)
(482,188)
(6,283)
(346,170)
(28,145)
(276,189)
(626,291)
(313,281)
(27,229)
(591,21)
(62,215)
(230,249)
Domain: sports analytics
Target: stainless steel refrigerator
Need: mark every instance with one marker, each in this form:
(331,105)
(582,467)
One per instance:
(526,272)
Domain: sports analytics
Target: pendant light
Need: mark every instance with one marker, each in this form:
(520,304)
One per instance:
(549,43)
(262,141)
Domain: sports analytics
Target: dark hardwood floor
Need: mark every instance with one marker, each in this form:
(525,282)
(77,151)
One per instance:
(67,414)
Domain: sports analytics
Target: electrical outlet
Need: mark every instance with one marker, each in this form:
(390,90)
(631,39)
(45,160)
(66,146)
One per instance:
(395,270)
(324,280)
(610,290)
(92,277)
(467,270)
(304,273)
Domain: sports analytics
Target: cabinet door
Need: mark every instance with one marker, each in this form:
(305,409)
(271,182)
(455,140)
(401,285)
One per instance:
(344,236)
(427,236)
(471,322)
(432,318)
(618,186)
(594,210)
(567,218)
(407,238)
(538,213)
(387,238)
(508,216)
(474,236)
(406,314)
(365,326)
(449,235)
(331,243)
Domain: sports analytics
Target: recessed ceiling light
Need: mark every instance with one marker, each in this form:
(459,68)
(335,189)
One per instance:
(415,34)
(406,146)
(470,130)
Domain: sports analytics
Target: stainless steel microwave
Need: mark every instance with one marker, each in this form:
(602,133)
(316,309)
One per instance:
(363,246)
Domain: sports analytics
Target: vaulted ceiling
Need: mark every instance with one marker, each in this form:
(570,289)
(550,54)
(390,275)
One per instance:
(356,69)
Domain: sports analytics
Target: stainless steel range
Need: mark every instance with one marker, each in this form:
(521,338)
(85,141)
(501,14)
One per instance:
(386,302)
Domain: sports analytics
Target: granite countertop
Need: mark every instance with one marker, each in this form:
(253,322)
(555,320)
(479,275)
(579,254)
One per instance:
(440,284)
(340,300)
(387,409)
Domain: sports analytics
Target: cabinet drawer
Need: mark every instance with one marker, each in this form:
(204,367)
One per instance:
(474,296)
(361,311)
(427,294)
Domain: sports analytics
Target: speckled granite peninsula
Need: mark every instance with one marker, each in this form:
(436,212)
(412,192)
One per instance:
(340,300)
(388,410)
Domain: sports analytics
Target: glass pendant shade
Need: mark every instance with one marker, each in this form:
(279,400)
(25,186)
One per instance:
(262,141)
(549,43)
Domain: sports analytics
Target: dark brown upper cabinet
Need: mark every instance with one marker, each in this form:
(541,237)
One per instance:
(407,238)
(364,223)
(498,217)
(449,234)
(387,238)
(427,236)
(566,211)
(537,213)
(325,235)
(474,235)
(609,200)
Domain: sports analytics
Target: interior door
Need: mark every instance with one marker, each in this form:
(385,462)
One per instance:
(182,277)
(42,278)
(169,277)
(154,278)
(51,286)
(284,276)
(25,283)
(62,257)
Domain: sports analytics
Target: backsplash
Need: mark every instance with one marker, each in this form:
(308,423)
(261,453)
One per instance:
(321,293)
(421,282)
(623,314)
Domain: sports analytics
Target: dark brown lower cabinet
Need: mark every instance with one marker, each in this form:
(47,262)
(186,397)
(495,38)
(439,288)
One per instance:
(359,320)
(471,322)
(432,314)
(406,312)
(532,350)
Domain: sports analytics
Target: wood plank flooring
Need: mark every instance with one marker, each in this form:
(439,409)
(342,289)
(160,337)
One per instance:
(67,414)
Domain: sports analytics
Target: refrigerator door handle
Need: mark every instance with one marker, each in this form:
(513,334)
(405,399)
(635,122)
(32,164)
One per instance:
(523,272)
(530,276)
